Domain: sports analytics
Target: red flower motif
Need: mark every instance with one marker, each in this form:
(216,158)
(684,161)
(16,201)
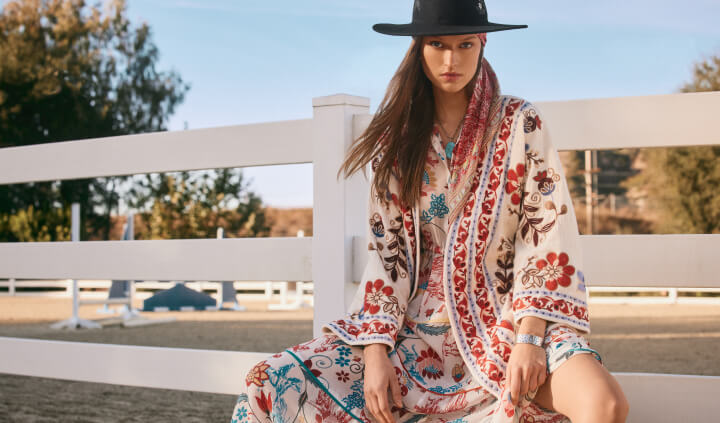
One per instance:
(375,294)
(545,184)
(401,381)
(308,364)
(258,374)
(343,376)
(514,179)
(556,270)
(265,403)
(430,364)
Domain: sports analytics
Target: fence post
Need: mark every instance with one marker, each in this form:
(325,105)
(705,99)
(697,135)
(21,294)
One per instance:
(338,205)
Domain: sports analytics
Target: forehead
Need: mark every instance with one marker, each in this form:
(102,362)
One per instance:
(451,38)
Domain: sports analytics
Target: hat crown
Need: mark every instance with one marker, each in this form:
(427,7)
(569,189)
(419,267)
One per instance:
(450,12)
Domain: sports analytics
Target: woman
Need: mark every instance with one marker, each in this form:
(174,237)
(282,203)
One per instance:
(473,297)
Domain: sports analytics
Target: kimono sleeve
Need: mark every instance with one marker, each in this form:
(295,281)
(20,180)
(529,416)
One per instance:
(549,282)
(378,308)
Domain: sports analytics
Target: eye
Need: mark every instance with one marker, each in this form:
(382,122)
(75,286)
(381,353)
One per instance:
(466,44)
(435,43)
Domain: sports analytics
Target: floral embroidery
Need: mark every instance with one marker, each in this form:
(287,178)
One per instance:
(533,225)
(241,413)
(546,184)
(378,295)
(515,180)
(505,262)
(556,269)
(393,242)
(437,208)
(551,271)
(342,361)
(343,376)
(458,373)
(309,364)
(258,374)
(264,402)
(532,121)
(430,364)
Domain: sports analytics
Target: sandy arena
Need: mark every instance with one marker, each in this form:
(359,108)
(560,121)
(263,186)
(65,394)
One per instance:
(639,338)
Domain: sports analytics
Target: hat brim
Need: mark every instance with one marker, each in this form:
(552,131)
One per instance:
(432,29)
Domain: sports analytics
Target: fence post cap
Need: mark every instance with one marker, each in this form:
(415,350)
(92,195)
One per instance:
(341,100)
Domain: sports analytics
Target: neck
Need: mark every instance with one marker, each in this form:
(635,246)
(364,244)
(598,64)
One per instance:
(450,107)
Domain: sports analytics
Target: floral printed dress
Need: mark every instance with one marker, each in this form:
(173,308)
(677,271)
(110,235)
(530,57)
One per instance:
(322,380)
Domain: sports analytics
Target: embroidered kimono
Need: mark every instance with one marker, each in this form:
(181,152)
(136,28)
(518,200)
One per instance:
(447,296)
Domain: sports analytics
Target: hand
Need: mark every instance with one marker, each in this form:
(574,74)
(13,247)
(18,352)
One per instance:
(526,370)
(379,377)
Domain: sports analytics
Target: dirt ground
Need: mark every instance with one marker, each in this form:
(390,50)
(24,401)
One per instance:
(639,338)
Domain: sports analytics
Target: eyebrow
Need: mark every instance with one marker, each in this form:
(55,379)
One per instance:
(471,37)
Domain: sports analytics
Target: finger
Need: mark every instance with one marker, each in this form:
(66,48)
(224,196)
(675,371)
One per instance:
(526,374)
(543,377)
(395,390)
(515,386)
(371,404)
(384,408)
(533,381)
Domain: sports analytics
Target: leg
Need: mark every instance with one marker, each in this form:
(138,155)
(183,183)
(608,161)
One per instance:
(583,389)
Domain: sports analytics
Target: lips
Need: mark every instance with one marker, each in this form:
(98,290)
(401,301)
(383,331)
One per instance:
(450,76)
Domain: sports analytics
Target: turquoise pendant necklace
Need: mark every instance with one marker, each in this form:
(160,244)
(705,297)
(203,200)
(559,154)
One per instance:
(449,150)
(451,143)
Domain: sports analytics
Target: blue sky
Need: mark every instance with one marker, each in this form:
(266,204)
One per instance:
(255,60)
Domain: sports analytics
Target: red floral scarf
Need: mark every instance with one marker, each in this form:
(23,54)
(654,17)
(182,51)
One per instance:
(480,126)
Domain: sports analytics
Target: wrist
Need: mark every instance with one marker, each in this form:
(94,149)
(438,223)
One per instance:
(525,338)
(376,349)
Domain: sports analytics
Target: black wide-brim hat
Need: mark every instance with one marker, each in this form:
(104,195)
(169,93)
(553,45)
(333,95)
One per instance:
(446,17)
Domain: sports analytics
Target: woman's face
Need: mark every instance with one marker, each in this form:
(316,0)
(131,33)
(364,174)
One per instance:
(450,61)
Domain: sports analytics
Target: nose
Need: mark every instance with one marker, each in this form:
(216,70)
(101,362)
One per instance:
(449,59)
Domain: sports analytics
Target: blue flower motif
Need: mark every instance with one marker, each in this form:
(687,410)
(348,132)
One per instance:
(426,178)
(581,285)
(241,414)
(438,206)
(354,400)
(343,351)
(342,361)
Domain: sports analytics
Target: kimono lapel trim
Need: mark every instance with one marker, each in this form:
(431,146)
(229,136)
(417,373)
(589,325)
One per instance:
(479,127)
(472,315)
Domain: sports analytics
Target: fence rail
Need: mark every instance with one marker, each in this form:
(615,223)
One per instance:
(334,257)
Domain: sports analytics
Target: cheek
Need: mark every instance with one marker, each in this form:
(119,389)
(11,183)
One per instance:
(471,63)
(431,61)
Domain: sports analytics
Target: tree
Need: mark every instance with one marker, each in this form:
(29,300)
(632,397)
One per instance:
(68,71)
(193,205)
(682,183)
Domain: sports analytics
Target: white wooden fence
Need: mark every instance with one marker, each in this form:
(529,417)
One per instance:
(334,257)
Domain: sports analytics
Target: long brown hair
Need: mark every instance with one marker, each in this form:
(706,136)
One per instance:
(401,128)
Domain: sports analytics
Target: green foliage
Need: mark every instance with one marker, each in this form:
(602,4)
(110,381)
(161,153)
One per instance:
(69,71)
(193,205)
(706,76)
(682,183)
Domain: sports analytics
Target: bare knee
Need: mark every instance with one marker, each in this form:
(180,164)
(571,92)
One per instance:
(612,407)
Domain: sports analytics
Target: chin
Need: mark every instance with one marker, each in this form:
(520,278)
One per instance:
(452,88)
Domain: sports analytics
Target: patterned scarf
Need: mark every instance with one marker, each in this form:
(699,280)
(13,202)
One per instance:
(481,124)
